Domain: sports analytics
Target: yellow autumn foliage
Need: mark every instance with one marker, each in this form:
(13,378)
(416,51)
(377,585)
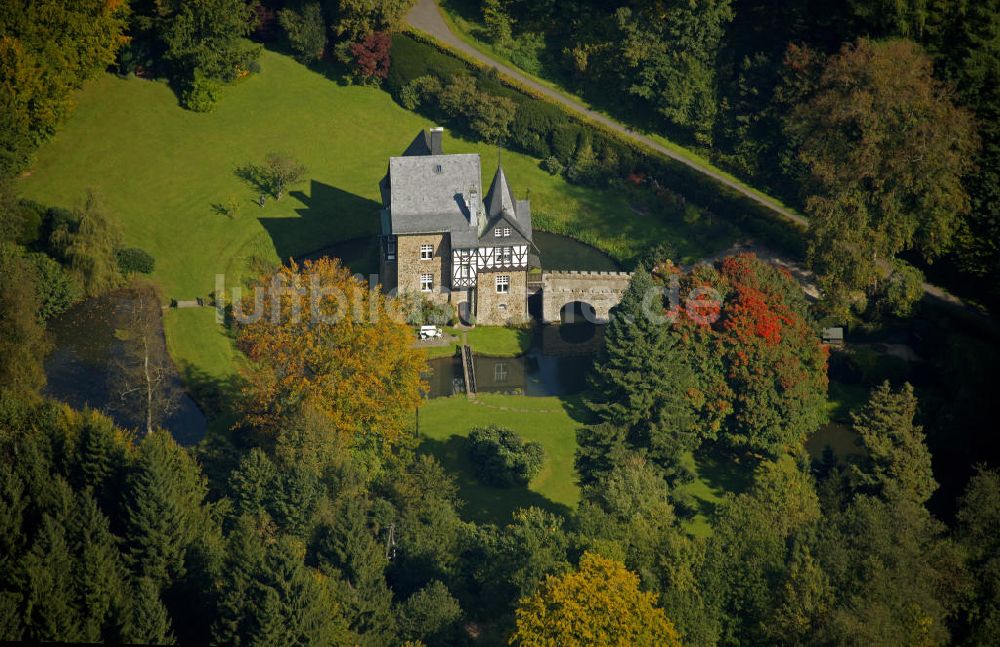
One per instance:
(599,604)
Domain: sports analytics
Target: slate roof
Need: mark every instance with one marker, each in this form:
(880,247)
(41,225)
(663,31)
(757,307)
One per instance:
(426,191)
(503,210)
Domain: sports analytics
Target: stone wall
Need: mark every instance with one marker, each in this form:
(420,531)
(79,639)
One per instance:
(496,309)
(409,265)
(602,290)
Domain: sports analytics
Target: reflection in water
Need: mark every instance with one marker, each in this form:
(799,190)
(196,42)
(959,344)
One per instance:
(79,367)
(545,370)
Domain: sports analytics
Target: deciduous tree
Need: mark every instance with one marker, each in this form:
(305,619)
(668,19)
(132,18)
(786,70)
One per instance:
(600,603)
(325,340)
(886,150)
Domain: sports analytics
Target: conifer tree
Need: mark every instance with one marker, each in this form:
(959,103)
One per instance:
(148,622)
(162,506)
(48,607)
(99,576)
(641,376)
(900,465)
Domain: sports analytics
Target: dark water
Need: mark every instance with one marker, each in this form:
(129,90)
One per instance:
(564,253)
(547,369)
(840,438)
(79,367)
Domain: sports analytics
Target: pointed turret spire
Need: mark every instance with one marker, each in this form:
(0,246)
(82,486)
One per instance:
(500,199)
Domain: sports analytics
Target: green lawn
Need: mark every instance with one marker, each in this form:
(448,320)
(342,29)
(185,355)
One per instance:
(493,341)
(445,423)
(715,476)
(161,169)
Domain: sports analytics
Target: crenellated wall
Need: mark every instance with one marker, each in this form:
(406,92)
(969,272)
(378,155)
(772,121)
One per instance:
(601,290)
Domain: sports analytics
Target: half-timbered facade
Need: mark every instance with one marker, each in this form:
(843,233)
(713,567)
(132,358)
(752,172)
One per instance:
(440,239)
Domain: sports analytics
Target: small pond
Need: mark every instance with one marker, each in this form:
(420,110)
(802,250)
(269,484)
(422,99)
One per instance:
(547,369)
(79,368)
(843,441)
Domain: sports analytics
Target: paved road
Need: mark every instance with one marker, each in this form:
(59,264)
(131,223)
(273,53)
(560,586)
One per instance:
(426,16)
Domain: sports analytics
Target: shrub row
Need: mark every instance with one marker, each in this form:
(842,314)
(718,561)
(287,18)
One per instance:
(585,152)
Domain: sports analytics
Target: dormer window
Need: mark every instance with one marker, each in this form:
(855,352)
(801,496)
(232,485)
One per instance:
(426,252)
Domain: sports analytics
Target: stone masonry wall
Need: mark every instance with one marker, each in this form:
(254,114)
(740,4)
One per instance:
(602,290)
(410,266)
(497,309)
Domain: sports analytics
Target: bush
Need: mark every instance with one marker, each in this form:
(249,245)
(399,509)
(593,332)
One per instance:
(133,259)
(56,289)
(533,126)
(27,218)
(420,90)
(552,165)
(305,30)
(421,310)
(200,95)
(502,458)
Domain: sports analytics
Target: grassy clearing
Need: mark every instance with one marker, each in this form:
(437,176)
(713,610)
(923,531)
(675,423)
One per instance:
(715,476)
(161,170)
(445,423)
(486,340)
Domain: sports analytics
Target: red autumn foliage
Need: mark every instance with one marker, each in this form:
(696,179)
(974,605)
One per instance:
(372,55)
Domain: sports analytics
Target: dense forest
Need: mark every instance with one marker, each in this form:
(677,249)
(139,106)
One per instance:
(311,517)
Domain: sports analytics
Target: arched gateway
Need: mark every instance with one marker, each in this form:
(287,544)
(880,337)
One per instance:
(581,294)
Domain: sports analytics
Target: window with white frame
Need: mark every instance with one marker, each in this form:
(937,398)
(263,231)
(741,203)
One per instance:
(503,283)
(426,282)
(502,232)
(426,252)
(500,372)
(506,232)
(504,255)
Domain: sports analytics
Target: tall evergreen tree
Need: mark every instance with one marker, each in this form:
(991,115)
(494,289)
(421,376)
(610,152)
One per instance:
(148,622)
(163,513)
(899,465)
(99,576)
(979,533)
(641,377)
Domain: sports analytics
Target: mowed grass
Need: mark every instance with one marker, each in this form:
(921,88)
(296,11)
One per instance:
(494,341)
(444,427)
(161,169)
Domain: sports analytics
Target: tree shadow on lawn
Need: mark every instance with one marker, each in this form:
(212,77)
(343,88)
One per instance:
(483,503)
(576,407)
(330,215)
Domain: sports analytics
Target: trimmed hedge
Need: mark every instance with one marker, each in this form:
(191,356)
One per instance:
(544,129)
